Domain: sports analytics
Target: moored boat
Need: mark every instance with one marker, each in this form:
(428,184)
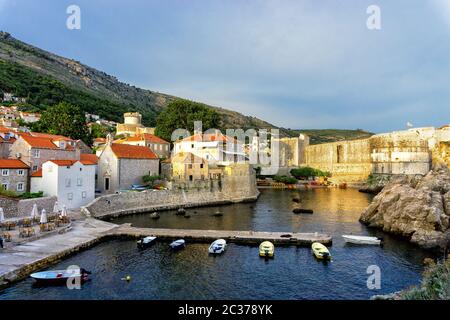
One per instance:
(320,251)
(362,239)
(60,276)
(178,244)
(266,249)
(146,242)
(218,246)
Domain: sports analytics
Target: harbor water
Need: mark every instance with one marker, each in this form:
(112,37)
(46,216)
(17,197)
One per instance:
(159,273)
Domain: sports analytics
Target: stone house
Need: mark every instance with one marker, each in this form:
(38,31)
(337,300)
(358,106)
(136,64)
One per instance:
(13,175)
(35,149)
(156,144)
(122,165)
(188,167)
(71,181)
(215,148)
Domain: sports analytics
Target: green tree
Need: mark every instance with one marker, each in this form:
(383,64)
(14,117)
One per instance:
(98,131)
(181,114)
(66,120)
(306,172)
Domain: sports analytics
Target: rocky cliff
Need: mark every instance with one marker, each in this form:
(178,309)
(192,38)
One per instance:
(415,207)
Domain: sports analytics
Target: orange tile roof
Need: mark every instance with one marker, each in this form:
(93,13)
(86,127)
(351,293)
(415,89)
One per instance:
(132,152)
(209,138)
(64,163)
(42,142)
(35,142)
(12,164)
(37,174)
(86,158)
(5,129)
(145,136)
(50,136)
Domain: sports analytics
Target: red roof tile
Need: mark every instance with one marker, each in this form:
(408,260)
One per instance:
(37,174)
(132,152)
(209,138)
(42,143)
(12,164)
(64,163)
(86,158)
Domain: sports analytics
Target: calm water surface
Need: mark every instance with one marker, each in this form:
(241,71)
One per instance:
(158,273)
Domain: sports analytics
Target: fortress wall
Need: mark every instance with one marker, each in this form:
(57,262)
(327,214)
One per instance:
(348,161)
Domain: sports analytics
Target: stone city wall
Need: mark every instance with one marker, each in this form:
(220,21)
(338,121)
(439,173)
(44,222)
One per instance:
(14,208)
(348,161)
(238,187)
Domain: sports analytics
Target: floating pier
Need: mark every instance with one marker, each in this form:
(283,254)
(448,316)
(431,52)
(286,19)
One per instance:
(240,237)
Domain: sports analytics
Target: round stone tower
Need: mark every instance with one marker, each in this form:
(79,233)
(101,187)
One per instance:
(133,118)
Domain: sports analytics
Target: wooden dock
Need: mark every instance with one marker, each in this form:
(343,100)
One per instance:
(240,237)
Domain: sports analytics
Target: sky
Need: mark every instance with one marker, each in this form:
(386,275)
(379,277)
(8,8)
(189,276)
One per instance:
(298,64)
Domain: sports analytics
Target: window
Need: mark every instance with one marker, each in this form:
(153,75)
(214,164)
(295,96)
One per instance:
(20,186)
(36,153)
(191,178)
(106,184)
(70,196)
(83,194)
(189,166)
(4,186)
(5,172)
(35,168)
(67,183)
(79,182)
(192,146)
(201,166)
(20,172)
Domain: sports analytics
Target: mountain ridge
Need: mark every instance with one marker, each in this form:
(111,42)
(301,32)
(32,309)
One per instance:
(49,78)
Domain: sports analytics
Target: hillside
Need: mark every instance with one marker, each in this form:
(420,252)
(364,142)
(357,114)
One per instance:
(46,79)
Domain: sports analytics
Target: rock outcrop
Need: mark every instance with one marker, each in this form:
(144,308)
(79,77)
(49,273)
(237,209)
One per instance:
(416,207)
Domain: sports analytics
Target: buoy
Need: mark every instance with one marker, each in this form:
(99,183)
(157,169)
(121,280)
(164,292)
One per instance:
(127,278)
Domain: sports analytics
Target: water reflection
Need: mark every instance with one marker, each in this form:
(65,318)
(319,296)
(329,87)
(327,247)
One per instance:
(159,273)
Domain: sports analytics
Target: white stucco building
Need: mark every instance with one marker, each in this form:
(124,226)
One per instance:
(71,181)
(215,148)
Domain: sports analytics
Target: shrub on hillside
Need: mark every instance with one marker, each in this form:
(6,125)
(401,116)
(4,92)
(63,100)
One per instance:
(435,283)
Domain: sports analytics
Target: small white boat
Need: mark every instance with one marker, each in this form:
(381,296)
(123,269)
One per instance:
(178,244)
(362,239)
(218,246)
(146,242)
(60,276)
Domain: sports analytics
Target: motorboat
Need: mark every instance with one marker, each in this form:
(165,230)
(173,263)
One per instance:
(266,249)
(60,276)
(178,244)
(362,239)
(320,251)
(218,246)
(146,242)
